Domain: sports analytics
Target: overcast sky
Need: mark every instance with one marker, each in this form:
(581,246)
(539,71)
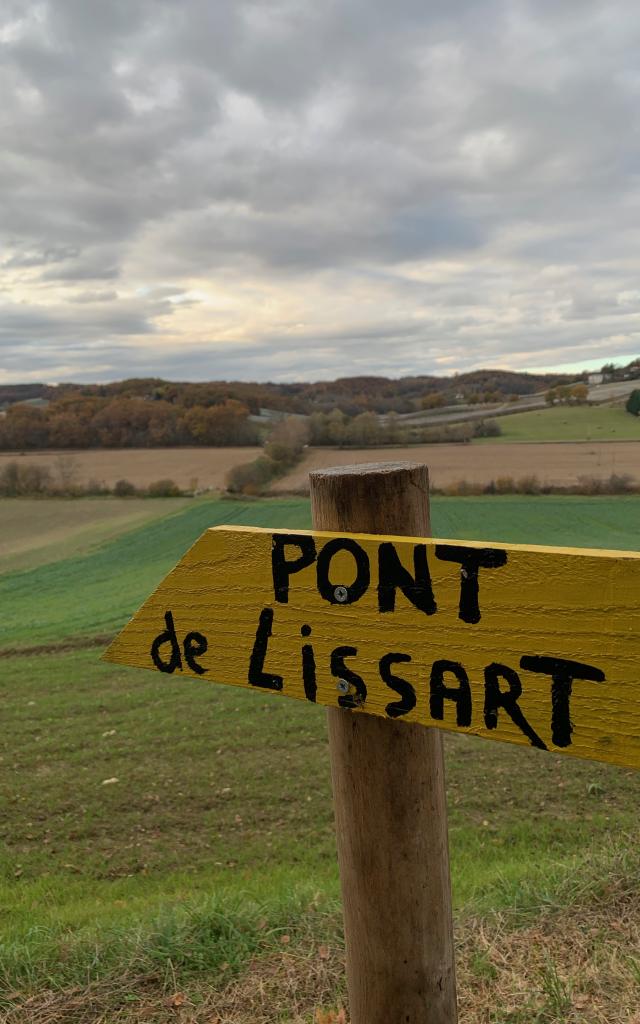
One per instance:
(301,189)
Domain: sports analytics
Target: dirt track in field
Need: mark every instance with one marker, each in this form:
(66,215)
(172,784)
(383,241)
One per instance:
(557,463)
(142,466)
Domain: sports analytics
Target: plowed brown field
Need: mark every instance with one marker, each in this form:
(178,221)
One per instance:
(553,463)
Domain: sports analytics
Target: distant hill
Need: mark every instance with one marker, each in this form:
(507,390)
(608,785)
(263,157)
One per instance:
(349,394)
(11,393)
(151,412)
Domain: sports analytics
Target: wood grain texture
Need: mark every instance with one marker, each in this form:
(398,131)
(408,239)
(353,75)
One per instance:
(581,605)
(389,800)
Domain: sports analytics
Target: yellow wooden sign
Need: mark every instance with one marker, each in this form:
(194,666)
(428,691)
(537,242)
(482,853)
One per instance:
(532,645)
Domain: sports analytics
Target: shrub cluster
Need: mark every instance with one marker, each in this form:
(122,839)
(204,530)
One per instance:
(632,404)
(487,428)
(565,394)
(617,483)
(31,480)
(283,450)
(454,433)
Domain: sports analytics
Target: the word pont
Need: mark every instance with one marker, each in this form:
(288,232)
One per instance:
(392,575)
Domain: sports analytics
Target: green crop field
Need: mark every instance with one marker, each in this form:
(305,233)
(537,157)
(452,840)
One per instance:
(167,845)
(569,423)
(38,530)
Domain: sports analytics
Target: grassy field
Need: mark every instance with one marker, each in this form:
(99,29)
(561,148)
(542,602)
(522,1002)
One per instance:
(569,423)
(38,530)
(168,851)
(154,822)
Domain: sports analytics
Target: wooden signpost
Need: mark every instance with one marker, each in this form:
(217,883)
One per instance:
(531,645)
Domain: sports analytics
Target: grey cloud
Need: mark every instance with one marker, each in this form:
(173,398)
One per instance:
(83,297)
(96,320)
(82,270)
(23,258)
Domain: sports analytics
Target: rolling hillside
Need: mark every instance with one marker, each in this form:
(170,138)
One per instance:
(568,423)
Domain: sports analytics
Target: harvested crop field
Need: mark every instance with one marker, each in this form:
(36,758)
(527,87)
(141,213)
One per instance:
(558,463)
(204,468)
(193,468)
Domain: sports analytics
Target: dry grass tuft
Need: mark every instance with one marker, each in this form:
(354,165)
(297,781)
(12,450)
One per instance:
(291,986)
(575,965)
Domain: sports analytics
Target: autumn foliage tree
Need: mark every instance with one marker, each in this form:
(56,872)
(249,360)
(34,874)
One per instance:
(90,421)
(222,424)
(564,394)
(24,427)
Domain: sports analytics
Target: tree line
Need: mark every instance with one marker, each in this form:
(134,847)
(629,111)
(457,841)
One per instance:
(22,479)
(352,395)
(125,422)
(76,423)
(564,394)
(151,412)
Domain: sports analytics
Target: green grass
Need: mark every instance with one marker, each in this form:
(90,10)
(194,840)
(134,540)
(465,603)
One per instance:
(568,423)
(94,594)
(222,809)
(34,531)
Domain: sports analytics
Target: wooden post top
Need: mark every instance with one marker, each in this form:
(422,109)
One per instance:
(343,496)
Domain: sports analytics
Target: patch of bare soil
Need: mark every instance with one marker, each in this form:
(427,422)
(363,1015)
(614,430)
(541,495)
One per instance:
(560,464)
(74,643)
